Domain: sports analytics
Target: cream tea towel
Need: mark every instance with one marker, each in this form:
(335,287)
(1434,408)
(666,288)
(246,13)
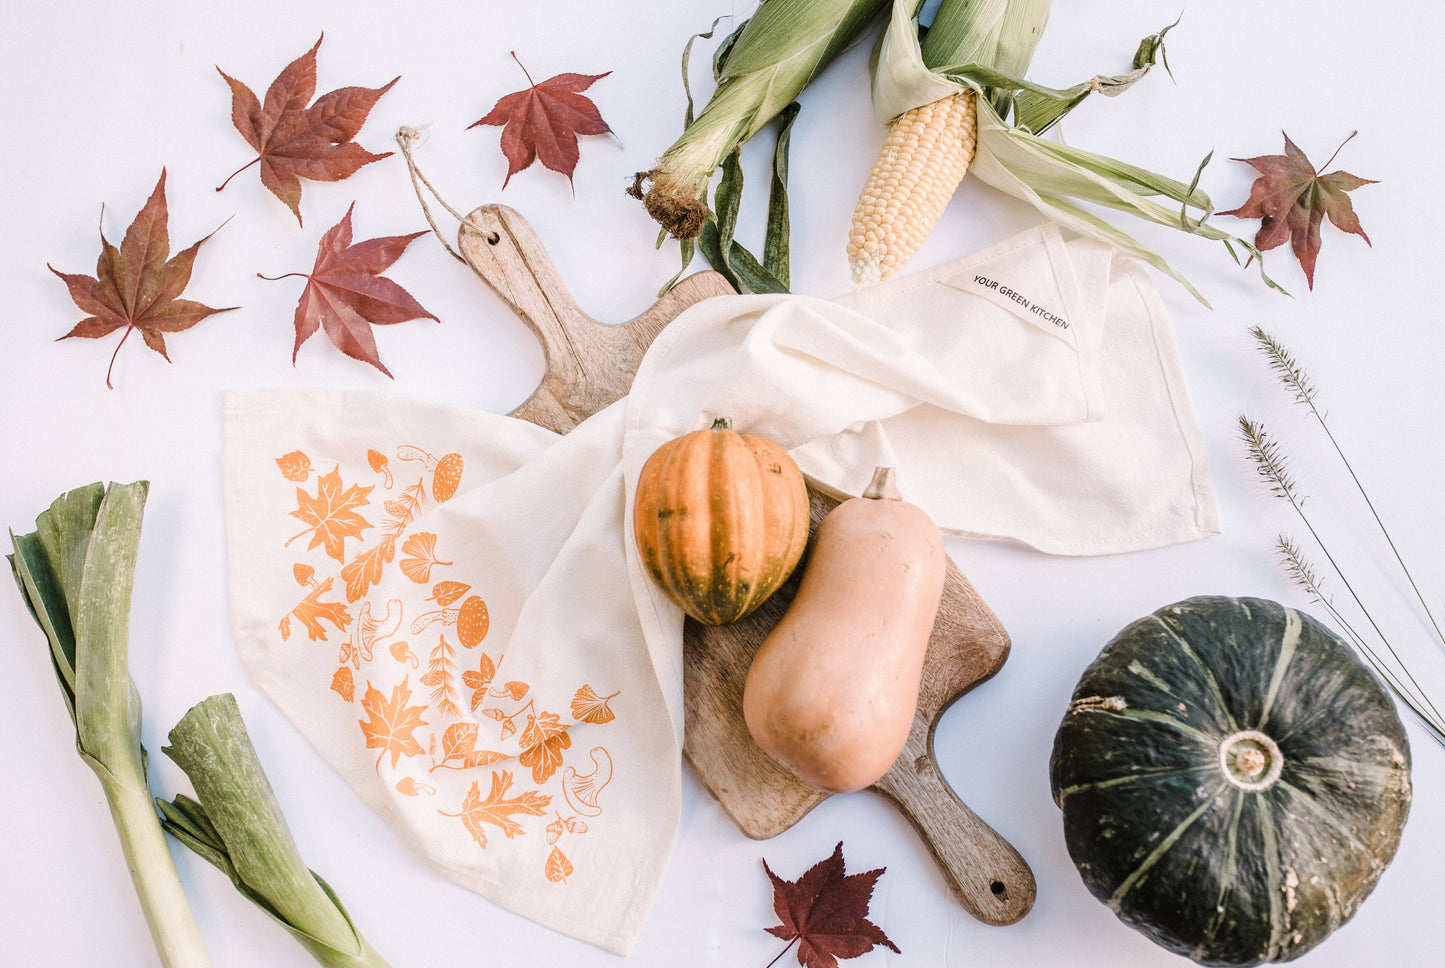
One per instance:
(448,606)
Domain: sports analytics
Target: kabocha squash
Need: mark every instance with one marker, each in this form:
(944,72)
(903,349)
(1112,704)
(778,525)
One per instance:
(1233,780)
(720,520)
(832,690)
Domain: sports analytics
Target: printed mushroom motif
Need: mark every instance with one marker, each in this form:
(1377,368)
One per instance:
(377,460)
(367,630)
(401,652)
(446,473)
(471,619)
(581,789)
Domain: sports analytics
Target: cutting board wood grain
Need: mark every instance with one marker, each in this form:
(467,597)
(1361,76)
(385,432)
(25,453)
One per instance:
(590,364)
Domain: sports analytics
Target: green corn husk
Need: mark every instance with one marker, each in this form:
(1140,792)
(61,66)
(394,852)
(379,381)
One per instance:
(75,572)
(236,824)
(760,70)
(986,45)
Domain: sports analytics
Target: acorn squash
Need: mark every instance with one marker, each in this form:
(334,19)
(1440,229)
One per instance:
(720,520)
(1233,779)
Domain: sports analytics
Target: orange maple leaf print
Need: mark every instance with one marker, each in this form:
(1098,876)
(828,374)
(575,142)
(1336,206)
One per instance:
(294,466)
(331,513)
(390,723)
(420,557)
(558,867)
(543,741)
(496,809)
(312,611)
(592,708)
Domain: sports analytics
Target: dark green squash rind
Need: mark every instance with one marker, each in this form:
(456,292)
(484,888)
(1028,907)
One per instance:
(1250,876)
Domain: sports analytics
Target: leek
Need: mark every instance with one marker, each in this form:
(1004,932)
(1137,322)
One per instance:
(75,572)
(236,824)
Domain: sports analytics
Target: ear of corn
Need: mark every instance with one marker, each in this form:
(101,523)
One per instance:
(985,46)
(924,157)
(772,58)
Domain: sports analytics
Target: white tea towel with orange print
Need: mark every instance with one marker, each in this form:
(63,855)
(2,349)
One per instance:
(448,604)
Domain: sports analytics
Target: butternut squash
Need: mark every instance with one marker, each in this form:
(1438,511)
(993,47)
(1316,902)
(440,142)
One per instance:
(832,690)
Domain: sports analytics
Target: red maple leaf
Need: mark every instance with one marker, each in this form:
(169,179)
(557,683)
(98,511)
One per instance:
(544,121)
(825,913)
(346,294)
(1291,198)
(294,141)
(138,286)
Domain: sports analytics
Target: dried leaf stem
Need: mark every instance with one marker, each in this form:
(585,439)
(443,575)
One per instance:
(1271,465)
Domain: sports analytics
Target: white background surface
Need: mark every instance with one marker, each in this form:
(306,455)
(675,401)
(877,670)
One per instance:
(96,98)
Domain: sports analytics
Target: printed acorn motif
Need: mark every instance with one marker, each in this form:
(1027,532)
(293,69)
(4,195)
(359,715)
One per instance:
(471,619)
(446,473)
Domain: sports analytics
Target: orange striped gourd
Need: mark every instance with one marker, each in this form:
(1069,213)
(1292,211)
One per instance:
(720,520)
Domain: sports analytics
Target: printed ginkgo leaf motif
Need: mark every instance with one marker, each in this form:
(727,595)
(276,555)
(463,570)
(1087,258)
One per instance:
(542,742)
(295,466)
(365,570)
(331,513)
(419,557)
(446,592)
(390,723)
(343,685)
(497,809)
(312,611)
(592,708)
(558,867)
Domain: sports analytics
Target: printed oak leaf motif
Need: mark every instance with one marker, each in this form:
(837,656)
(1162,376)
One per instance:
(390,723)
(295,466)
(312,611)
(592,708)
(825,913)
(419,557)
(366,569)
(331,513)
(294,141)
(137,286)
(542,742)
(558,867)
(497,809)
(459,749)
(343,685)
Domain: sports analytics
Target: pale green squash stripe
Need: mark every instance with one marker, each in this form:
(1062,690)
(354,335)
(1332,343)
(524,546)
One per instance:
(1164,846)
(1188,650)
(1300,798)
(1125,780)
(1293,627)
(1274,886)
(1147,674)
(1153,716)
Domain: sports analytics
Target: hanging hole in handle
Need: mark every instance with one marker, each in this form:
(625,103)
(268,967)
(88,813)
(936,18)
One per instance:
(998,888)
(494,238)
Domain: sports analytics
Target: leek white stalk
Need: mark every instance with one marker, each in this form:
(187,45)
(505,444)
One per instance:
(75,572)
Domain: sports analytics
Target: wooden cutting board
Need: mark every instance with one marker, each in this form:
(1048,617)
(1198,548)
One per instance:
(589,365)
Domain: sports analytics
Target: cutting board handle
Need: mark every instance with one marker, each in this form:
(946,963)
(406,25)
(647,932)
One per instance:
(589,364)
(986,874)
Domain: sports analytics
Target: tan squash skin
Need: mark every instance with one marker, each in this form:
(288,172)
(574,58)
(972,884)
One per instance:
(832,690)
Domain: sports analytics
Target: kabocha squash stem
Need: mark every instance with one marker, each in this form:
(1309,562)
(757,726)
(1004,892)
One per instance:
(832,691)
(720,520)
